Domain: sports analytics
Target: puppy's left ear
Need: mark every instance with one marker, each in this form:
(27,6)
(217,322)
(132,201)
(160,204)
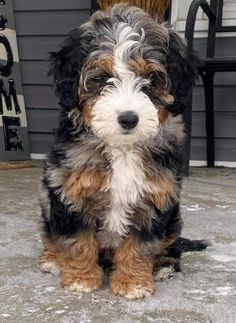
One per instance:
(181,69)
(65,68)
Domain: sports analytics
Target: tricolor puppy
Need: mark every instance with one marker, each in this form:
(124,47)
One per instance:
(111,183)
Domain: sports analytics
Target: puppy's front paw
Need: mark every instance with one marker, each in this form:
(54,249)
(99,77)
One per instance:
(49,267)
(164,273)
(83,282)
(82,286)
(131,287)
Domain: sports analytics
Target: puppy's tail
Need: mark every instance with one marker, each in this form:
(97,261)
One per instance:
(185,245)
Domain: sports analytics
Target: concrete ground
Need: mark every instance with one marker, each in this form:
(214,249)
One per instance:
(205,290)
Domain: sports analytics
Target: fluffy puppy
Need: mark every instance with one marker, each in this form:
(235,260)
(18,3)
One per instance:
(111,183)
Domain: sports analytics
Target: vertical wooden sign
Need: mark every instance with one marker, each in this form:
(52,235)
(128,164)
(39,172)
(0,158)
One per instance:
(14,143)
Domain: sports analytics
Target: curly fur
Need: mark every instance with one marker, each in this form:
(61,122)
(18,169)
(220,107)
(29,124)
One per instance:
(110,187)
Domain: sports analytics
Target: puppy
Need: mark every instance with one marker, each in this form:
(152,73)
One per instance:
(111,183)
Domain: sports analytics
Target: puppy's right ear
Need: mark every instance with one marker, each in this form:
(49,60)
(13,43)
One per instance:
(182,71)
(65,68)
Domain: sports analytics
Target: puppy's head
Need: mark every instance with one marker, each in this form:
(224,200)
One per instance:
(114,71)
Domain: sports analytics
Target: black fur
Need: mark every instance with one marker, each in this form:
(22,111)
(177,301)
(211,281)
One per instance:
(163,225)
(182,71)
(66,65)
(185,245)
(62,221)
(66,68)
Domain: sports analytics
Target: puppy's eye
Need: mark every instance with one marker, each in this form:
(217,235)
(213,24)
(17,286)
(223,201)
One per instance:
(155,79)
(104,78)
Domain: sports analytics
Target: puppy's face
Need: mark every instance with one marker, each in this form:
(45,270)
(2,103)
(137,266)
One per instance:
(122,93)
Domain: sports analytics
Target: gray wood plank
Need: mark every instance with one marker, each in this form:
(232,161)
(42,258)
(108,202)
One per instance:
(225,149)
(26,5)
(38,47)
(40,97)
(40,143)
(225,125)
(225,46)
(225,98)
(49,22)
(35,72)
(222,78)
(198,149)
(42,121)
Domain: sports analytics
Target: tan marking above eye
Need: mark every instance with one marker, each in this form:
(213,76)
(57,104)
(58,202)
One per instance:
(163,115)
(144,68)
(103,65)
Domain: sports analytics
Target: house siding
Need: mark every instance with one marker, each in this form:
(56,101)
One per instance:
(224,107)
(42,25)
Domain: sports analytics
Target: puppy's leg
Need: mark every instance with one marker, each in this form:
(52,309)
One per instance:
(165,267)
(132,276)
(168,262)
(48,261)
(79,264)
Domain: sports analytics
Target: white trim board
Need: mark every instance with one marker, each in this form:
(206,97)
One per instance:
(194,163)
(38,156)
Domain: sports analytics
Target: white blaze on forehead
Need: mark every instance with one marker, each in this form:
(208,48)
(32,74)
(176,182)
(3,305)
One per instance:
(127,41)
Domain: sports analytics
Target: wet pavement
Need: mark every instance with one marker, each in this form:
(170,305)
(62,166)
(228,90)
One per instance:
(205,290)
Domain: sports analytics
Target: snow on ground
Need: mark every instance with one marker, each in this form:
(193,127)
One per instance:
(205,290)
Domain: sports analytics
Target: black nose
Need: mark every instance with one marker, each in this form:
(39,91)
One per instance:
(128,119)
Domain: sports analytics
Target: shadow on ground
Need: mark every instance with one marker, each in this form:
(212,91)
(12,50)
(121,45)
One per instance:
(205,290)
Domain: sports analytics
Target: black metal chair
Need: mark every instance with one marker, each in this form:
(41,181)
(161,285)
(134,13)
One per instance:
(208,65)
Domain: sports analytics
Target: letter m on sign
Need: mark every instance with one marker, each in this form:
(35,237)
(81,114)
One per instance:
(9,96)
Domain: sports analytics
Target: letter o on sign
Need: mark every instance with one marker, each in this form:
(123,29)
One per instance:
(5,70)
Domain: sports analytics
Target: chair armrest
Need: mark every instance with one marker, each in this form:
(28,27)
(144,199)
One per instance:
(191,19)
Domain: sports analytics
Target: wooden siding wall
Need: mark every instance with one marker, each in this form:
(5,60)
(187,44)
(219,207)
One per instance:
(225,107)
(42,25)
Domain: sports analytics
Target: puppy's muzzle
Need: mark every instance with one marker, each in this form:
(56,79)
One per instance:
(128,119)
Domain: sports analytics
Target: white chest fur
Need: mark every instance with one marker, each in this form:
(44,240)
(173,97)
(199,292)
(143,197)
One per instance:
(127,186)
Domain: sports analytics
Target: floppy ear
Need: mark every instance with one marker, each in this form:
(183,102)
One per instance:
(65,68)
(181,68)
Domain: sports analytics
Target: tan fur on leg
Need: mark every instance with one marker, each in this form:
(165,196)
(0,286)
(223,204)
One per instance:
(132,277)
(79,264)
(48,261)
(161,259)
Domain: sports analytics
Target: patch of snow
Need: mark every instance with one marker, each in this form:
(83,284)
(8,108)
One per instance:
(223,258)
(32,310)
(50,289)
(196,291)
(195,207)
(59,311)
(225,253)
(223,290)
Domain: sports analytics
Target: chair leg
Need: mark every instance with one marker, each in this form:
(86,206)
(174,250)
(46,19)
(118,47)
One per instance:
(209,106)
(208,83)
(187,118)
